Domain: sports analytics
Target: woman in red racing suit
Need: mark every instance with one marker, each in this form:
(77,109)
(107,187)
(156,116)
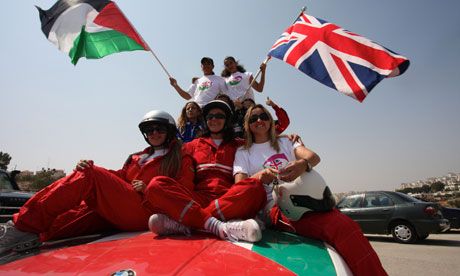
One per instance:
(215,198)
(92,199)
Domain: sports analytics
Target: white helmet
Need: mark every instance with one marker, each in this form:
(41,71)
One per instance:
(158,117)
(306,193)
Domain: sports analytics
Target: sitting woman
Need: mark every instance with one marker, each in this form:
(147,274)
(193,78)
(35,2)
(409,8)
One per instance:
(93,199)
(267,157)
(190,124)
(215,198)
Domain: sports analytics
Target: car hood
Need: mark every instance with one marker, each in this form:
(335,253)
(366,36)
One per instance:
(147,254)
(13,193)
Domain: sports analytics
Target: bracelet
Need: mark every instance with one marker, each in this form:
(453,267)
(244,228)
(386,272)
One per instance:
(309,167)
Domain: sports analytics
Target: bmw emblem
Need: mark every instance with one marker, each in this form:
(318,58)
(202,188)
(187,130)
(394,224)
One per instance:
(124,272)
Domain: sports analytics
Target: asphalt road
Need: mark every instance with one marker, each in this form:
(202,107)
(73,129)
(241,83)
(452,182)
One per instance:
(437,255)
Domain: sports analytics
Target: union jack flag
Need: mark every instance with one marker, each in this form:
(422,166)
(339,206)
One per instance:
(340,59)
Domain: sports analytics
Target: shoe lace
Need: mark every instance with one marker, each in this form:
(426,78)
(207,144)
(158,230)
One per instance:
(176,227)
(234,230)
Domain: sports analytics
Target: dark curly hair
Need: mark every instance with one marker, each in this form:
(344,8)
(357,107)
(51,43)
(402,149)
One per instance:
(226,73)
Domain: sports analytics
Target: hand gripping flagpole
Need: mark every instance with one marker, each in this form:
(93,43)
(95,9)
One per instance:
(269,57)
(145,43)
(257,75)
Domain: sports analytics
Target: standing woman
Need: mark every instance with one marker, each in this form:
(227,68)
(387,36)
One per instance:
(204,89)
(92,198)
(190,123)
(267,157)
(215,198)
(238,80)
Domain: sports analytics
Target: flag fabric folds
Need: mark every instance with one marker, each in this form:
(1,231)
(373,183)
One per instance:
(89,28)
(340,59)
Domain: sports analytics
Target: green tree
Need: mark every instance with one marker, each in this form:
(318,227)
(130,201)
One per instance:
(44,178)
(437,186)
(406,190)
(5,159)
(426,188)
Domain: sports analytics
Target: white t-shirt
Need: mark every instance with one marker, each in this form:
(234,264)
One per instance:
(237,84)
(206,88)
(261,156)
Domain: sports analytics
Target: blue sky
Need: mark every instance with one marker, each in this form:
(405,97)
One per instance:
(54,113)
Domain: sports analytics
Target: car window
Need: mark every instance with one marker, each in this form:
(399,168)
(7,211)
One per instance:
(407,198)
(5,183)
(352,201)
(377,200)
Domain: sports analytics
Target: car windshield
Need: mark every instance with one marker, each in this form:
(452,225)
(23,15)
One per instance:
(408,198)
(5,183)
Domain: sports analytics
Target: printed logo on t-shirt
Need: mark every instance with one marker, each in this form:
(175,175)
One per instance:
(277,161)
(205,85)
(235,80)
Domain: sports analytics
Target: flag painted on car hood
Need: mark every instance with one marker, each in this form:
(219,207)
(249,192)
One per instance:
(89,28)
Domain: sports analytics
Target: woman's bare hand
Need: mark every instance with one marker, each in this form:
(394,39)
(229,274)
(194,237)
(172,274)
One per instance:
(138,185)
(293,170)
(83,164)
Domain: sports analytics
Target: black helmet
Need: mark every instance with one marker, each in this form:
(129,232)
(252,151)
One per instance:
(228,127)
(158,117)
(218,104)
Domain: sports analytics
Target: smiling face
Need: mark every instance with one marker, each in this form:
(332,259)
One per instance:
(156,134)
(215,120)
(207,67)
(230,65)
(259,122)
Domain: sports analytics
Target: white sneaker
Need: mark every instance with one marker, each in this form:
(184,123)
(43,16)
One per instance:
(13,239)
(243,230)
(162,225)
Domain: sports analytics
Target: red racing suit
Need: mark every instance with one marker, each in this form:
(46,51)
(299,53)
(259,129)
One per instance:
(338,230)
(96,199)
(215,193)
(283,119)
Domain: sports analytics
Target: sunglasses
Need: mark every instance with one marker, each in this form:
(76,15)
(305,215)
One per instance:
(159,129)
(218,116)
(262,116)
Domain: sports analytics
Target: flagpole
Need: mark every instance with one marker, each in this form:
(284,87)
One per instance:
(257,75)
(269,57)
(304,8)
(162,66)
(145,43)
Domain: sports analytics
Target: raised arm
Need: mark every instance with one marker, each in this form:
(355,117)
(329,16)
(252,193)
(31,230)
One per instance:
(259,86)
(179,90)
(281,114)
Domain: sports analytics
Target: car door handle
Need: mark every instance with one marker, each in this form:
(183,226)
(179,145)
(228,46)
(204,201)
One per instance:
(386,210)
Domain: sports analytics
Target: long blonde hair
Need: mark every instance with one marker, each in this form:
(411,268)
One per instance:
(249,137)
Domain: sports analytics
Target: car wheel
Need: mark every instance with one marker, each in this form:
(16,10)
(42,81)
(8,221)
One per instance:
(403,232)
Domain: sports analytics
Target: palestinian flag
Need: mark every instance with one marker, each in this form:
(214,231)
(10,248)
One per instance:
(89,28)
